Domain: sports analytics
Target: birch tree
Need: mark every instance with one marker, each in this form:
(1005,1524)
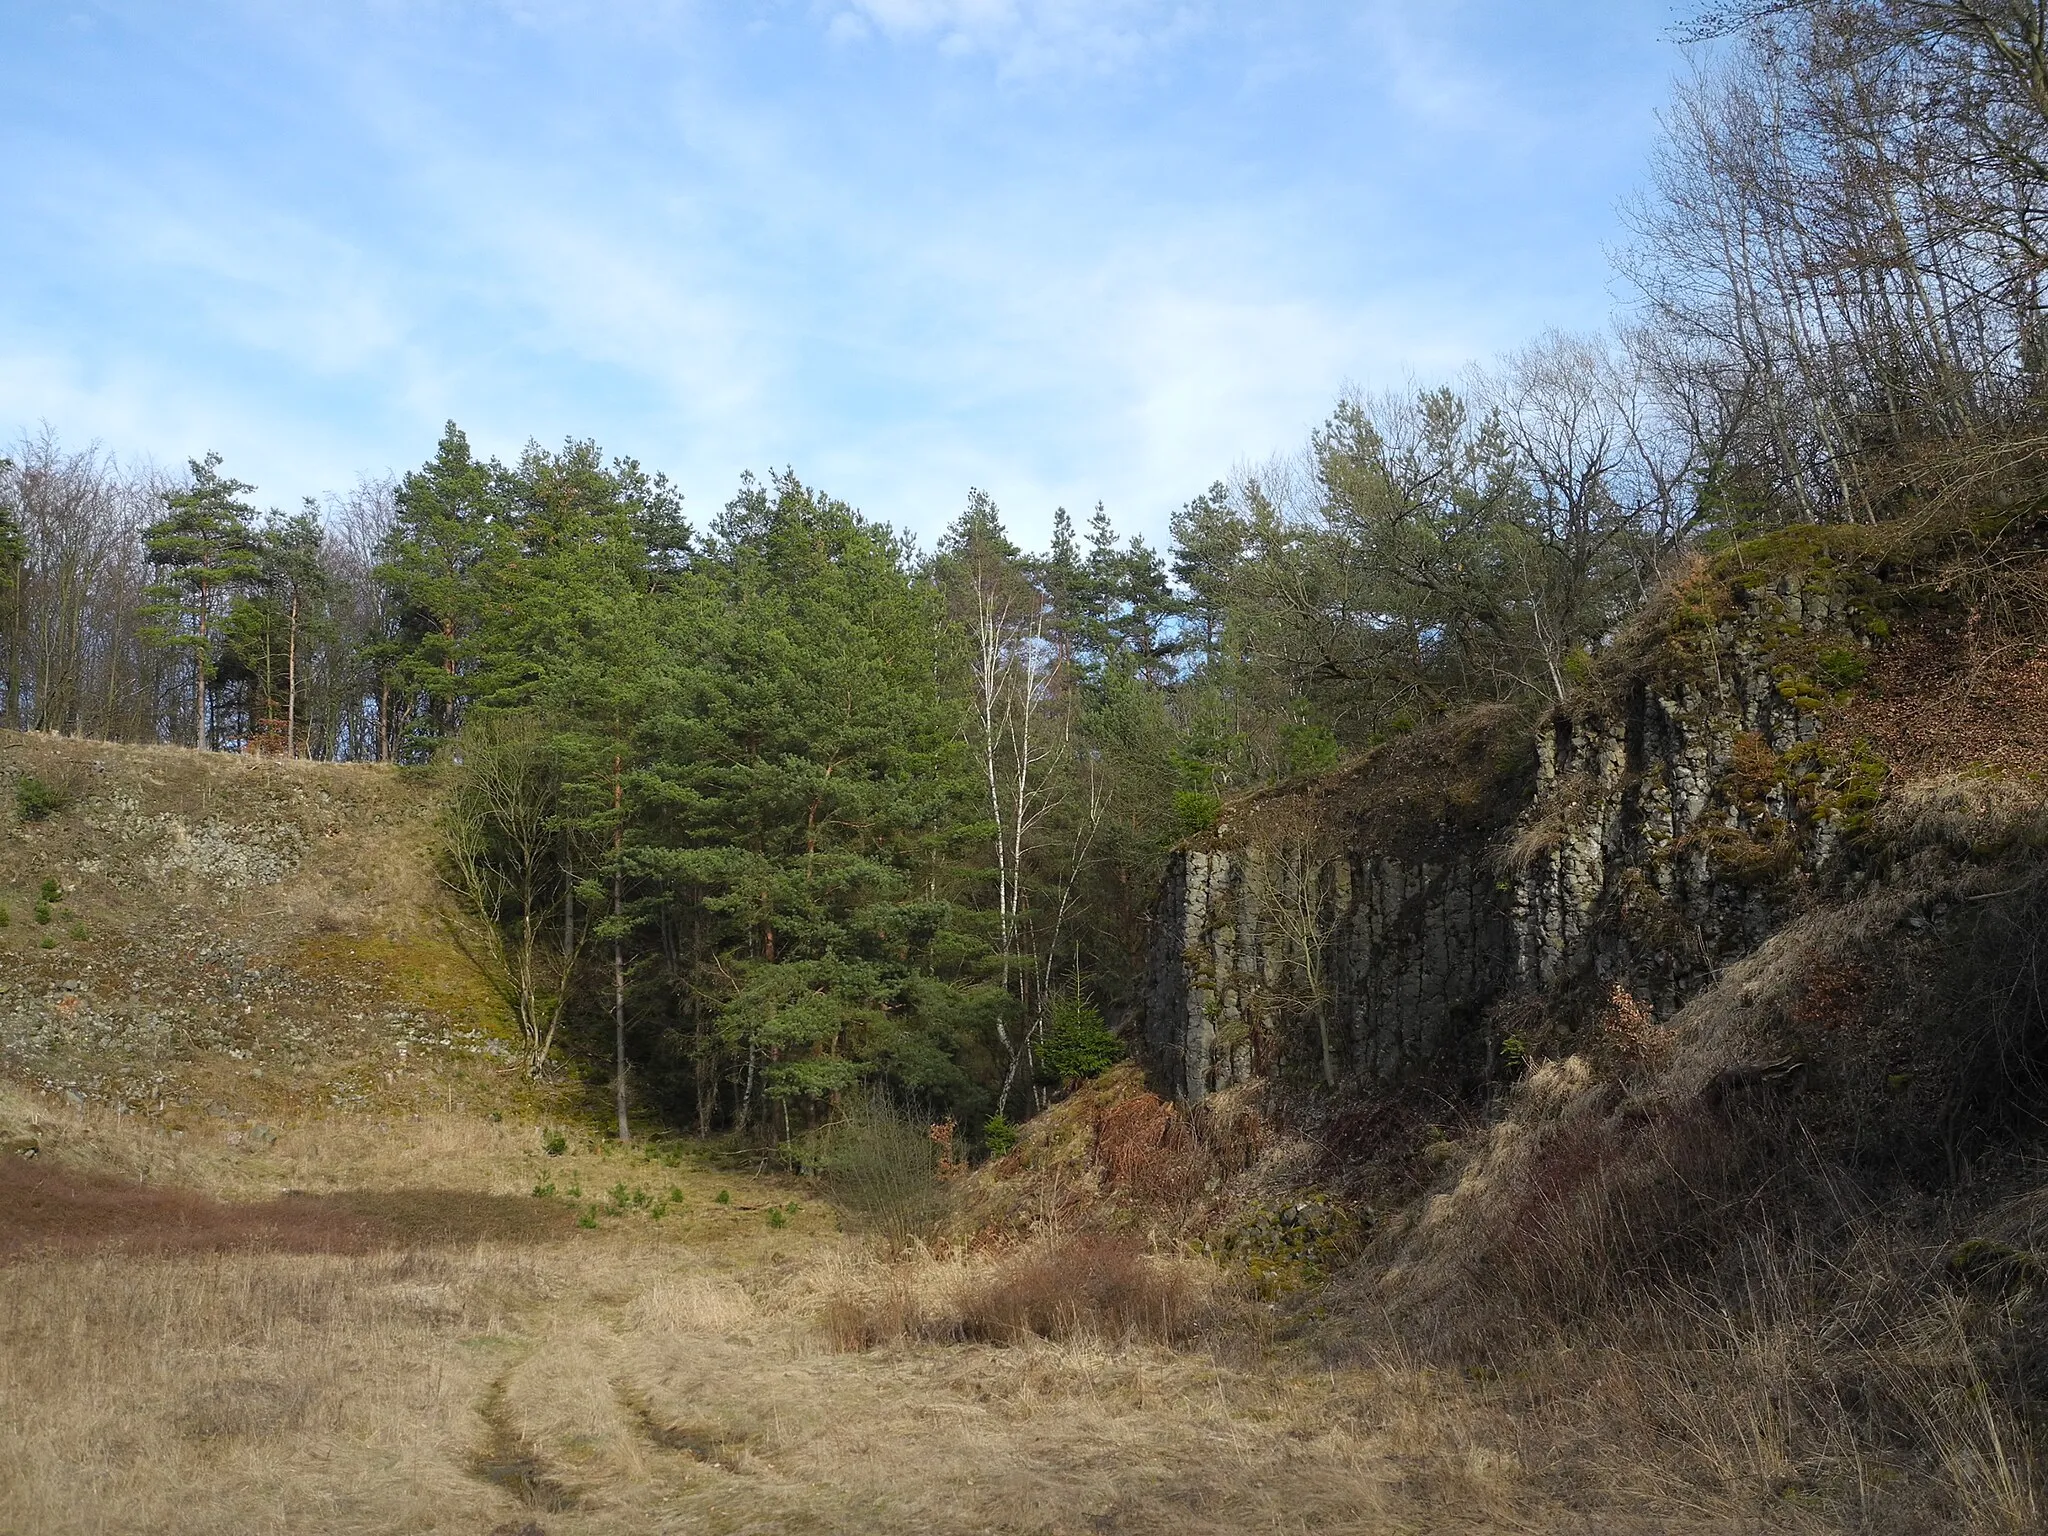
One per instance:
(1016,735)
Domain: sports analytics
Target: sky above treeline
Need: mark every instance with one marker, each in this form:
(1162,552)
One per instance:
(1069,251)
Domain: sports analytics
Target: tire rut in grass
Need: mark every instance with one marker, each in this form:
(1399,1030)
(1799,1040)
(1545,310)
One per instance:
(711,1444)
(506,1460)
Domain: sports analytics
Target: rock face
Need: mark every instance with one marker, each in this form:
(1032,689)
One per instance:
(1385,925)
(1411,952)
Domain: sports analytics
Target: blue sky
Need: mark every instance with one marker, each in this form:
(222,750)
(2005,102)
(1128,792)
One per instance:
(1067,250)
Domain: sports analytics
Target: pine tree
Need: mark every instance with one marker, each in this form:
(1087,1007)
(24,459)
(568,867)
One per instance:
(436,562)
(13,545)
(804,794)
(206,548)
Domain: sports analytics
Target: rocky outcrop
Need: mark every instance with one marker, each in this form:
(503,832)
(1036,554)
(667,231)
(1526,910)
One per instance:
(1410,952)
(1388,924)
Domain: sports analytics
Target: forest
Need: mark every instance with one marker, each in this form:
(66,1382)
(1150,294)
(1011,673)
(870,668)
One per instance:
(754,805)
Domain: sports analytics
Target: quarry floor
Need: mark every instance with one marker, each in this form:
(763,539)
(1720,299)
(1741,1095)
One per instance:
(401,1335)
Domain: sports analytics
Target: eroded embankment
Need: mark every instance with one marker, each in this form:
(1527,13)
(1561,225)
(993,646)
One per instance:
(221,945)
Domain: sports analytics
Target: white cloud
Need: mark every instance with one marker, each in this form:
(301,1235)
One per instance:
(718,271)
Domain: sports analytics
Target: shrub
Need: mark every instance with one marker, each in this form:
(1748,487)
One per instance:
(1148,1149)
(999,1135)
(554,1143)
(881,1168)
(1089,1287)
(78,932)
(1842,667)
(723,1197)
(37,799)
(43,913)
(1077,1044)
(854,1323)
(1195,812)
(6,917)
(1309,747)
(775,1217)
(52,891)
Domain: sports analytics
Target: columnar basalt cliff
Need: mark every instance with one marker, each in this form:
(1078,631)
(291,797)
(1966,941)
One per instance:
(1391,923)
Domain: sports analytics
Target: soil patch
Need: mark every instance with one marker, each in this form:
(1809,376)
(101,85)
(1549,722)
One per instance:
(47,1209)
(1930,708)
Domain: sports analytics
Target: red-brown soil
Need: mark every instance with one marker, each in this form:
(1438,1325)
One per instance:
(1933,707)
(48,1209)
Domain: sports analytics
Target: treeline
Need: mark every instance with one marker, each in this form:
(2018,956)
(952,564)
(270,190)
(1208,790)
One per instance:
(781,804)
(764,808)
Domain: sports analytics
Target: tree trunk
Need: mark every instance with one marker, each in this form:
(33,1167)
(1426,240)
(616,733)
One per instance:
(291,680)
(199,678)
(619,946)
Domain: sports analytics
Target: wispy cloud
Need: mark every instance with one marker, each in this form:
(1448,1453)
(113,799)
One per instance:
(1026,38)
(723,238)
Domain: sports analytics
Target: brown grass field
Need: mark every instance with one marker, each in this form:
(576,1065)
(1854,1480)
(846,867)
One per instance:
(411,1356)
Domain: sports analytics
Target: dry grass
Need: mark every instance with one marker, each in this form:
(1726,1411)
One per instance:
(1089,1289)
(711,1372)
(1661,1290)
(673,1375)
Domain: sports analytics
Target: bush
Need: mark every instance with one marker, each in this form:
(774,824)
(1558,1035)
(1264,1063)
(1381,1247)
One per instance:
(52,892)
(881,1167)
(1096,1288)
(1195,812)
(554,1143)
(36,799)
(1077,1044)
(1090,1287)
(43,913)
(1842,668)
(998,1135)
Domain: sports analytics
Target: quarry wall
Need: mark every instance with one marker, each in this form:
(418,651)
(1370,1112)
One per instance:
(1399,921)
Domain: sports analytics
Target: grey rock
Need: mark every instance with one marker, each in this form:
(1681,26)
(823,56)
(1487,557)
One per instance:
(1361,960)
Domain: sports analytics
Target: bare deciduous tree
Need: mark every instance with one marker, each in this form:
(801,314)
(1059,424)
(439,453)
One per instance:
(502,860)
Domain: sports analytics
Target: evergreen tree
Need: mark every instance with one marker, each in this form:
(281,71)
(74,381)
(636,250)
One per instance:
(436,561)
(804,793)
(569,631)
(13,544)
(206,549)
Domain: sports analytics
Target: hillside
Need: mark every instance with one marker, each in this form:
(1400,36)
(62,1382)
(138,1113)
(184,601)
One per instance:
(237,942)
(337,1268)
